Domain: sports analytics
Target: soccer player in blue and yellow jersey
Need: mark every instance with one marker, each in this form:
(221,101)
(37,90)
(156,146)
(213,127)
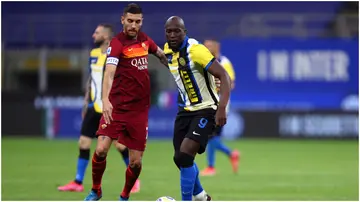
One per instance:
(92,110)
(200,110)
(215,142)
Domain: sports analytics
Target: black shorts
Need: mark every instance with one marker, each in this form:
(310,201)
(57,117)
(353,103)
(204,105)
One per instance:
(198,126)
(90,123)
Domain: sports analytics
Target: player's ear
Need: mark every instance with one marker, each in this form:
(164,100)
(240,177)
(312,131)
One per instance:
(122,20)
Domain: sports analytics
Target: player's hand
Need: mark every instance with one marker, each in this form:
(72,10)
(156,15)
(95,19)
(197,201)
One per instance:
(107,111)
(220,116)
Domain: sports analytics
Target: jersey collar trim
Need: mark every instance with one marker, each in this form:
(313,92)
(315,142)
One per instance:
(184,42)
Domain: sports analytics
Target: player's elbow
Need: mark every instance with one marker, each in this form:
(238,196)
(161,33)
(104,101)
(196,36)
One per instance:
(224,77)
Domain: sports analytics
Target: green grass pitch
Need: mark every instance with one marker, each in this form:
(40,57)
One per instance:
(270,170)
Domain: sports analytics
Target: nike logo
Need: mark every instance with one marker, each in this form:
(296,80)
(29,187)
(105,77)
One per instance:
(195,133)
(185,193)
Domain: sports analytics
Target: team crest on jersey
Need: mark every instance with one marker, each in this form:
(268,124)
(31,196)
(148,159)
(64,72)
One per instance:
(103,126)
(108,51)
(182,61)
(144,46)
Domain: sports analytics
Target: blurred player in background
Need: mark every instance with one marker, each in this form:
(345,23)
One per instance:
(194,68)
(92,109)
(126,100)
(215,142)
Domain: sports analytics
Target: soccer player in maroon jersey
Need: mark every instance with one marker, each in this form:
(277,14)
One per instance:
(92,109)
(126,99)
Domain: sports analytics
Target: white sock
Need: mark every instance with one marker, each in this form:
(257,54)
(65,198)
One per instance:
(201,196)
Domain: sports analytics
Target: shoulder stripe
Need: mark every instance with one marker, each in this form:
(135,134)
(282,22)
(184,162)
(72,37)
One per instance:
(209,64)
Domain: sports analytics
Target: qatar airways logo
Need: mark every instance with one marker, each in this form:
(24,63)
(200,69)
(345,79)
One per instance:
(140,63)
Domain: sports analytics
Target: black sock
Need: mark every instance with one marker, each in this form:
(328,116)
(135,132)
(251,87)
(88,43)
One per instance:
(125,153)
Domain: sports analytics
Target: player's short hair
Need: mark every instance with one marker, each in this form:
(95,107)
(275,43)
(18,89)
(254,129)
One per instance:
(132,8)
(109,28)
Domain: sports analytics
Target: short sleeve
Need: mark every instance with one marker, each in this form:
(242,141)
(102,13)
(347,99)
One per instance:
(152,46)
(201,55)
(113,52)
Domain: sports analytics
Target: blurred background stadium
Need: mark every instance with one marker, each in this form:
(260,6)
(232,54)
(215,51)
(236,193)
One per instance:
(294,110)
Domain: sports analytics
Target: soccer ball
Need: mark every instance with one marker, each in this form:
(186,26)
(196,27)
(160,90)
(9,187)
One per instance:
(165,198)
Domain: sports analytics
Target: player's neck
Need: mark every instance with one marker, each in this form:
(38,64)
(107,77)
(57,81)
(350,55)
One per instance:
(182,45)
(130,37)
(104,47)
(177,49)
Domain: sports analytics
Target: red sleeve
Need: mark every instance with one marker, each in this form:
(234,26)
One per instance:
(113,52)
(152,46)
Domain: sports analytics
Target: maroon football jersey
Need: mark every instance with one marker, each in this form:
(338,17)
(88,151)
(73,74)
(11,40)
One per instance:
(131,87)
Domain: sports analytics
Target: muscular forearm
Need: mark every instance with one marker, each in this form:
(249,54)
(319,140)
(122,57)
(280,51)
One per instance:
(108,80)
(161,55)
(87,91)
(163,60)
(225,88)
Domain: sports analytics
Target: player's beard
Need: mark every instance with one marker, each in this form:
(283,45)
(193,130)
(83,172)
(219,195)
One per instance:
(99,43)
(132,33)
(174,46)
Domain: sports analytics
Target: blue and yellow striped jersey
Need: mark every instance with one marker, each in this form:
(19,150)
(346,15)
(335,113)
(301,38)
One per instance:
(97,64)
(197,89)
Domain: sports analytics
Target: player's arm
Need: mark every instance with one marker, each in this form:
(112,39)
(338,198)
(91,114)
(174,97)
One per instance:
(202,56)
(86,97)
(219,72)
(158,52)
(162,57)
(87,91)
(230,70)
(113,54)
(107,83)
(108,80)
